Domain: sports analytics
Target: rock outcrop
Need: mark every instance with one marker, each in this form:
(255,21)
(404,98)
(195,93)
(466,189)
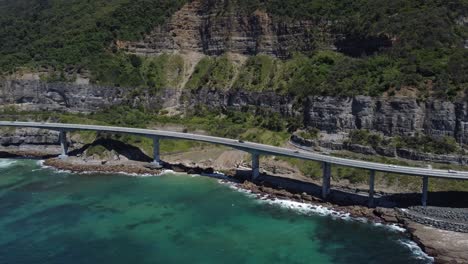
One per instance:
(29,142)
(388,115)
(35,95)
(215,27)
(243,101)
(28,136)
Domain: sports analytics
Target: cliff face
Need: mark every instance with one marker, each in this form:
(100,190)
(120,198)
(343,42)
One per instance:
(216,27)
(35,95)
(391,116)
(388,115)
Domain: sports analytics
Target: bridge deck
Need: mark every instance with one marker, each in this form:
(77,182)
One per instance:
(249,147)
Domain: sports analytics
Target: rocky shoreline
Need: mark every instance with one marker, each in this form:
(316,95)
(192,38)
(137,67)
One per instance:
(261,189)
(267,189)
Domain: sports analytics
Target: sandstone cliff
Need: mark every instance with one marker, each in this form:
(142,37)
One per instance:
(388,115)
(35,95)
(216,27)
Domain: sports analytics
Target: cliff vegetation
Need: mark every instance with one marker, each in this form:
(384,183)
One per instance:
(364,47)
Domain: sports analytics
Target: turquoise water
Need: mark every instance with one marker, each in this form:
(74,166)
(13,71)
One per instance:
(56,217)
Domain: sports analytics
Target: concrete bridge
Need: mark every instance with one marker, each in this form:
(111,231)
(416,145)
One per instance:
(256,150)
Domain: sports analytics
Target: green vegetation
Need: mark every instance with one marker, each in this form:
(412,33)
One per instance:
(97,150)
(211,72)
(359,176)
(258,74)
(390,45)
(311,133)
(366,138)
(74,34)
(151,73)
(424,143)
(269,129)
(421,143)
(233,125)
(408,182)
(386,46)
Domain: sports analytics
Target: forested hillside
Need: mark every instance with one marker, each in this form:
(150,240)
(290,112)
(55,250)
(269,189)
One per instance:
(379,46)
(73,33)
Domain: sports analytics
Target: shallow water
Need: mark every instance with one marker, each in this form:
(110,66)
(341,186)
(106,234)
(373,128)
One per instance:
(57,217)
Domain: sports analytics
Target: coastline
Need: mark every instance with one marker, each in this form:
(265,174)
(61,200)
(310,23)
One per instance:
(268,191)
(378,216)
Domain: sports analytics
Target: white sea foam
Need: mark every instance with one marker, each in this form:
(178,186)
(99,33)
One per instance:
(167,172)
(303,208)
(41,164)
(396,228)
(324,211)
(163,172)
(238,189)
(306,208)
(416,250)
(5,163)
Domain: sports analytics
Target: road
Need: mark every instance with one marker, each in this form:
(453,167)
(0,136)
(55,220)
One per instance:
(251,147)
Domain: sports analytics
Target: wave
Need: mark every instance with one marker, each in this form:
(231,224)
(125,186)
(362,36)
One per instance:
(306,208)
(416,250)
(309,209)
(5,163)
(42,166)
(164,172)
(396,228)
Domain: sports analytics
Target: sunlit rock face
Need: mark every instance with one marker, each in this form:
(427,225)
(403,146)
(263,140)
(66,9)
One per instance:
(216,27)
(389,115)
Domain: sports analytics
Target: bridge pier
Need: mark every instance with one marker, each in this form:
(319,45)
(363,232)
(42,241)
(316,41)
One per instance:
(425,185)
(371,188)
(63,144)
(156,152)
(326,168)
(255,166)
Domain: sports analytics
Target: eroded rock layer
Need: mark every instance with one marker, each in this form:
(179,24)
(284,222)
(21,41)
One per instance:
(216,27)
(388,115)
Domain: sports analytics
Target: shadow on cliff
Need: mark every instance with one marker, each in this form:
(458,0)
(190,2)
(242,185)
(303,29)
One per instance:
(118,147)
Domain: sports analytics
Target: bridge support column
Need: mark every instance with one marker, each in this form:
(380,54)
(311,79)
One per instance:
(425,185)
(63,144)
(255,166)
(156,153)
(326,167)
(371,188)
